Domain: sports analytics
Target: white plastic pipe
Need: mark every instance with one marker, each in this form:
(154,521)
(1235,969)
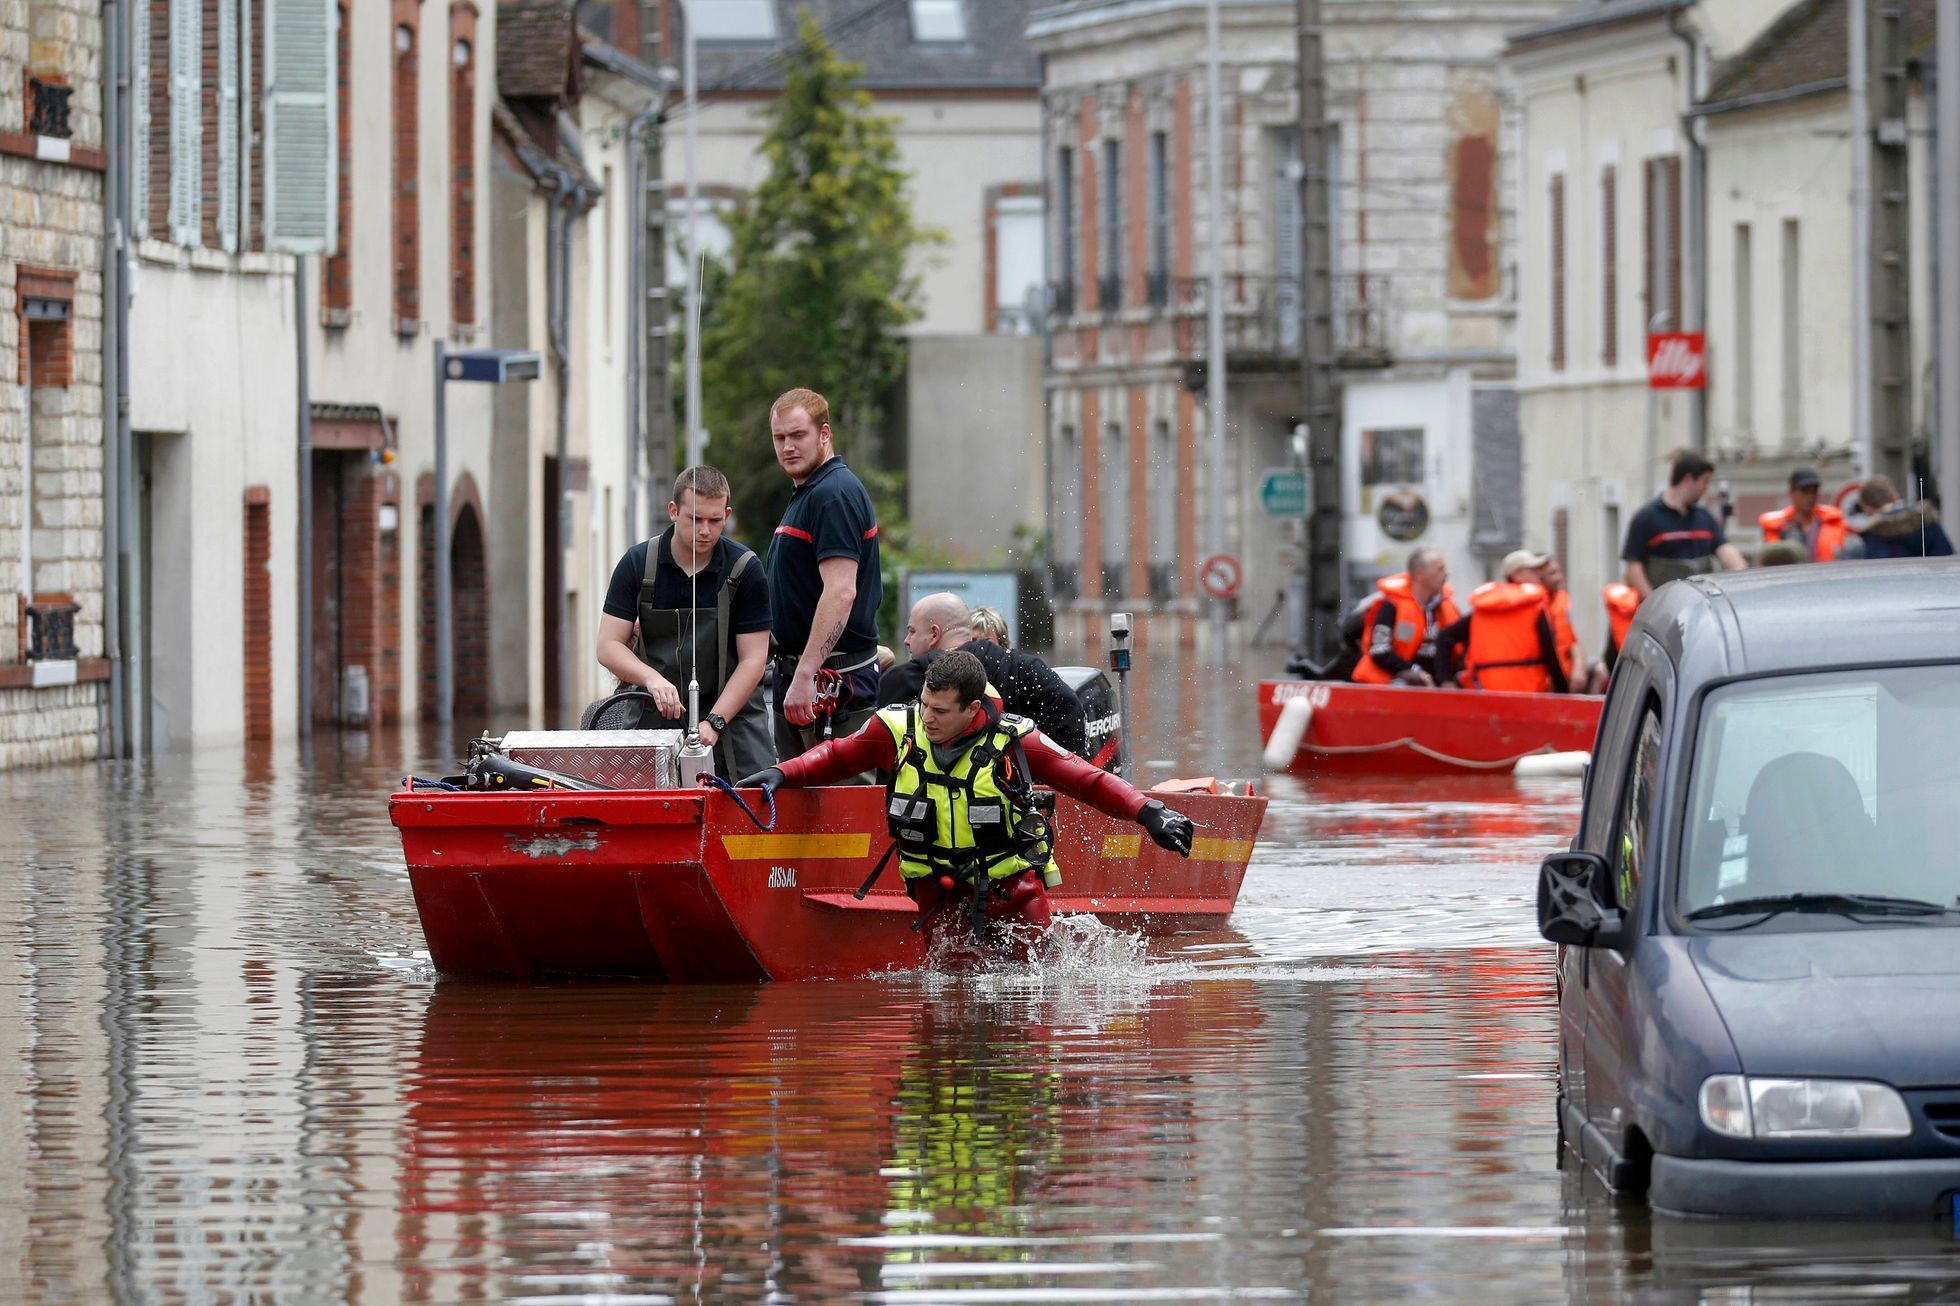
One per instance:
(1288,731)
(1552,764)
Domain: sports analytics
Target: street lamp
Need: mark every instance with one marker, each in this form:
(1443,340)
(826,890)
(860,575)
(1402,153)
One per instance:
(489,367)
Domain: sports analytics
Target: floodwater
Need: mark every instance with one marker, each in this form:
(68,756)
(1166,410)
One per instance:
(229,1075)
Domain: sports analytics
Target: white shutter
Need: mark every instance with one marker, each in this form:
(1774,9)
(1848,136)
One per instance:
(228,47)
(299,126)
(139,91)
(186,126)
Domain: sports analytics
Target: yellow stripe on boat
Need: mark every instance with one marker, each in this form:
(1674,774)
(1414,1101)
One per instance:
(1221,850)
(782,847)
(1122,845)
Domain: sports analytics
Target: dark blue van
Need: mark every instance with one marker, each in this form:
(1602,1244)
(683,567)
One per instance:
(1759,992)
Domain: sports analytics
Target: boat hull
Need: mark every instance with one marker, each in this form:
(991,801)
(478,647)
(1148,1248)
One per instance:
(1393,728)
(680,885)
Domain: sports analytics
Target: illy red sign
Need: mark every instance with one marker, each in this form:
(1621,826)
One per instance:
(1677,360)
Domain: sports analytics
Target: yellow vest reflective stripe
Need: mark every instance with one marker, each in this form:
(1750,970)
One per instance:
(972,816)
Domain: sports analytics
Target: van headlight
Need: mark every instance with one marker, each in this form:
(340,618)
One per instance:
(1746,1106)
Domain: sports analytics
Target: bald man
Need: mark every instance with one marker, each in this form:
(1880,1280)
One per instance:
(940,623)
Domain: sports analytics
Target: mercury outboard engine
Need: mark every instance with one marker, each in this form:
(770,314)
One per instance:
(1092,689)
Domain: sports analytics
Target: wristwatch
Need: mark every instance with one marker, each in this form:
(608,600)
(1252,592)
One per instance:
(715,721)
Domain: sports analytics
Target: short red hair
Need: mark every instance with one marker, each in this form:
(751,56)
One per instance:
(808,401)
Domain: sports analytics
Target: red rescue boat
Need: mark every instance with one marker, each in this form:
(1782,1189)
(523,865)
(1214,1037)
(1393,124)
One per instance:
(1415,731)
(680,884)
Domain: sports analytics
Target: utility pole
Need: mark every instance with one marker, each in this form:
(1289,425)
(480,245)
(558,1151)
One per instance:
(1891,245)
(656,388)
(1216,379)
(1320,386)
(1946,258)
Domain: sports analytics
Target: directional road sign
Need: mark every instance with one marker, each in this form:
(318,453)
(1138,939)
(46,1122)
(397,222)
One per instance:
(1283,492)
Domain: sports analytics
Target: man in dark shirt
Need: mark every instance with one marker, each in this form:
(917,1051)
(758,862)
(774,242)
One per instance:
(1028,686)
(701,611)
(824,582)
(1673,536)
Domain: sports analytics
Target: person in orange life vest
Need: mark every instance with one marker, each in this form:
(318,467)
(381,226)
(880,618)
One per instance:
(1506,638)
(1558,606)
(958,712)
(1818,527)
(1622,601)
(1400,634)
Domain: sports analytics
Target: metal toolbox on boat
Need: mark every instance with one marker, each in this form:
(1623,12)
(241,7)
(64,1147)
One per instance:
(620,759)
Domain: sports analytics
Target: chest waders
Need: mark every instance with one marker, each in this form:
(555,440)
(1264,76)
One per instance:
(699,642)
(975,822)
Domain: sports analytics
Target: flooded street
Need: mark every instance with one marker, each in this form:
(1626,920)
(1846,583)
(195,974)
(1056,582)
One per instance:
(231,1075)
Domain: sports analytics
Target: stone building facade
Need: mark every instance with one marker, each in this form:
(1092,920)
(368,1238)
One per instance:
(1425,290)
(52,672)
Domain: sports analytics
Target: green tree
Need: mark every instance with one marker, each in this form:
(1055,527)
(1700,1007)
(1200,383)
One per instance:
(816,285)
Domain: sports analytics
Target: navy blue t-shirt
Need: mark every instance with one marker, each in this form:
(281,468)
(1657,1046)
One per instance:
(1657,531)
(748,605)
(829,516)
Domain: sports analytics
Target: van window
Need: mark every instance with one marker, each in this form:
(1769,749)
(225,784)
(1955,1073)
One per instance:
(1828,783)
(1636,817)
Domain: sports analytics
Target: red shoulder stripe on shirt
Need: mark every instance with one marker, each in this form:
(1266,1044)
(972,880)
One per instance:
(871,534)
(803,535)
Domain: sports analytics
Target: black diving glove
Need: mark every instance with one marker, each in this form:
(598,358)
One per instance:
(1168,829)
(768,780)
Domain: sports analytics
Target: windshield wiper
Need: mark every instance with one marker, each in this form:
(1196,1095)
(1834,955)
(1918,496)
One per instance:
(1844,904)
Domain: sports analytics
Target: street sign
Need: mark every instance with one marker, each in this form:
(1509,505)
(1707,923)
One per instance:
(494,366)
(1677,360)
(1283,492)
(1221,575)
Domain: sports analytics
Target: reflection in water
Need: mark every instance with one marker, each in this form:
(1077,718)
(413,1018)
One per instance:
(230,1078)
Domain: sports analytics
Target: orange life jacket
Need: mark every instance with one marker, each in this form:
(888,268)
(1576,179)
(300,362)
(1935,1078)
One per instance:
(1411,626)
(1782,525)
(1504,651)
(1559,608)
(1622,601)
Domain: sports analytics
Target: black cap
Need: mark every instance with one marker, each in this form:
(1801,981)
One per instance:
(1805,478)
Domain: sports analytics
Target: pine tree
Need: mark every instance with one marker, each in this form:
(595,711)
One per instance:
(816,286)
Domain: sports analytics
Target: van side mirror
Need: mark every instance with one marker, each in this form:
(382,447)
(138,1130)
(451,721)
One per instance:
(1573,892)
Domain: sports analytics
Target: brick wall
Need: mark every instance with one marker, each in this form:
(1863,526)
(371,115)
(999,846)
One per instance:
(425,608)
(387,691)
(258,612)
(407,205)
(337,276)
(462,166)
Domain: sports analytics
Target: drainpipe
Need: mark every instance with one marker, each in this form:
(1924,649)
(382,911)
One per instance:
(565,193)
(1047,358)
(1858,76)
(1693,313)
(115,406)
(638,208)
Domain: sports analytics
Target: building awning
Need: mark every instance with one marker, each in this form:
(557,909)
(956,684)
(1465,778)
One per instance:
(357,427)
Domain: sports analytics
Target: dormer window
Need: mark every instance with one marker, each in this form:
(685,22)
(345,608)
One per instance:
(733,20)
(938,22)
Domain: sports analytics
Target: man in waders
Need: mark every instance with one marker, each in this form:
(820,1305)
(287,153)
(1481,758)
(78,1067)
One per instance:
(961,806)
(699,604)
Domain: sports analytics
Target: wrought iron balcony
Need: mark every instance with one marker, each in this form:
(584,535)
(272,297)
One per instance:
(1262,318)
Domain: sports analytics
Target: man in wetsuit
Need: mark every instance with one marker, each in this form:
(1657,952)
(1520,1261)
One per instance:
(960,803)
(1029,687)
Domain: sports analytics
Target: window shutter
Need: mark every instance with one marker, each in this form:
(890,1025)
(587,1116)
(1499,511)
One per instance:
(228,60)
(299,126)
(1558,272)
(1609,258)
(186,128)
(1671,173)
(139,99)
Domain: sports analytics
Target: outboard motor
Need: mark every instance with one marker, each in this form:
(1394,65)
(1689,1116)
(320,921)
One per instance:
(1092,689)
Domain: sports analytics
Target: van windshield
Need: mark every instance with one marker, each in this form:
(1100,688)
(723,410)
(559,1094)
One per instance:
(1835,794)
